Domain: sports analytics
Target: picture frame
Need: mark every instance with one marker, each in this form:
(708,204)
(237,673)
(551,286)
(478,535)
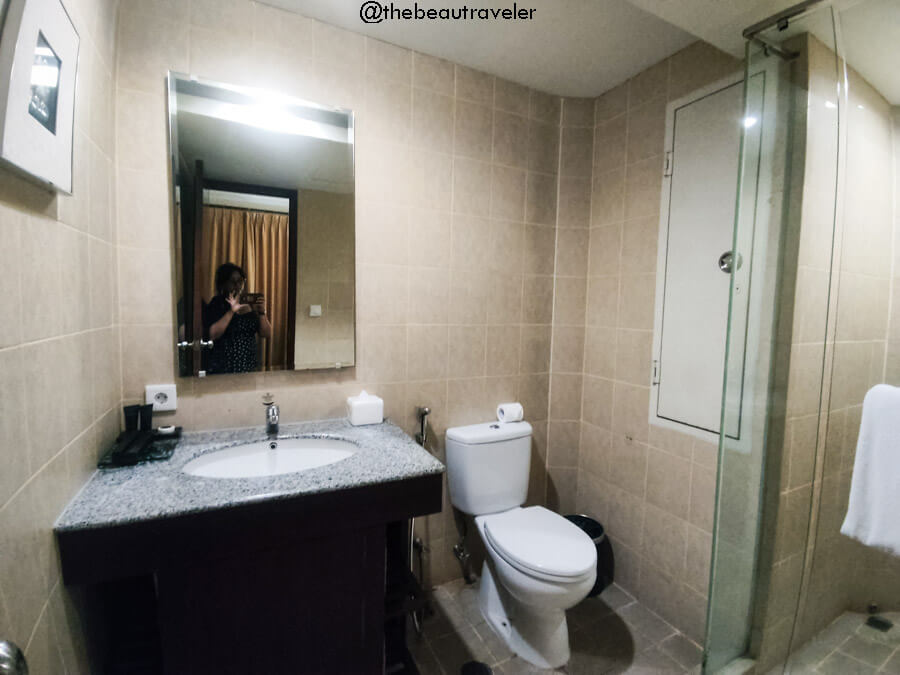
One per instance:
(38,67)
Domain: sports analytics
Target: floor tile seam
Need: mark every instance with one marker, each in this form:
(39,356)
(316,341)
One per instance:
(877,667)
(838,650)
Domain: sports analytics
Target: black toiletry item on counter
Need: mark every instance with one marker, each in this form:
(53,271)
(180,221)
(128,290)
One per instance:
(135,447)
(140,442)
(146,418)
(131,417)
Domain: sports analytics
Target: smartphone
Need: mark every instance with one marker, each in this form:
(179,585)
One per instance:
(251,298)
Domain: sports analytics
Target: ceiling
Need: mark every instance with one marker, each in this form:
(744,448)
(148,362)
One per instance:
(870,30)
(586,47)
(569,48)
(718,22)
(871,33)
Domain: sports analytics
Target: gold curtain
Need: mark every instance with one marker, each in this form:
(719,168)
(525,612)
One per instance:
(257,241)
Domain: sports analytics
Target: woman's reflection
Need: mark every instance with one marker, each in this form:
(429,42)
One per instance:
(232,321)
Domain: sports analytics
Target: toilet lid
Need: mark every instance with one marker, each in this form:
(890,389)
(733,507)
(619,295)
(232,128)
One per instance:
(537,539)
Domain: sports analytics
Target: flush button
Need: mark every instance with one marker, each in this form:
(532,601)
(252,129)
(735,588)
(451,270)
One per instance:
(495,426)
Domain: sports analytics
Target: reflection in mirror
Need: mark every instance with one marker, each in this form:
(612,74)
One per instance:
(264,230)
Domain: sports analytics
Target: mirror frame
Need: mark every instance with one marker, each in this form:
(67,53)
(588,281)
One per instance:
(188,346)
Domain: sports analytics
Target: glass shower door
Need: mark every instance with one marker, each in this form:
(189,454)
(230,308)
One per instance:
(769,355)
(744,409)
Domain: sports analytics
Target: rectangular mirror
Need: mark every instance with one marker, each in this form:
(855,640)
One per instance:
(264,230)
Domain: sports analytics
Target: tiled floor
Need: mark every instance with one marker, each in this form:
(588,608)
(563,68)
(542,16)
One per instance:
(610,634)
(849,647)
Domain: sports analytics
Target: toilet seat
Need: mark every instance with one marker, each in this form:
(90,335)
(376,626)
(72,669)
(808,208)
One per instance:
(540,542)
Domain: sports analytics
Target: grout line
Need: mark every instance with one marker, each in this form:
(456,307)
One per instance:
(53,458)
(44,609)
(61,336)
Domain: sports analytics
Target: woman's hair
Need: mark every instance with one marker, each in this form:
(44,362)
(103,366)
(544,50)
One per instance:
(223,275)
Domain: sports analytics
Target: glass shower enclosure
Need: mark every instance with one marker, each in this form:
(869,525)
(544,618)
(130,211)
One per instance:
(778,318)
(814,324)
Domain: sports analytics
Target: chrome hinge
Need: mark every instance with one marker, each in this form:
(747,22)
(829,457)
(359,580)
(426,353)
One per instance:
(654,379)
(667,166)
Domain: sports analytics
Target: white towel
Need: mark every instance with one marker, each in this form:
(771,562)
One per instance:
(872,516)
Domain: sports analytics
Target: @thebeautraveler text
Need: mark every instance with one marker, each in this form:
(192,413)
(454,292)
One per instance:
(373,11)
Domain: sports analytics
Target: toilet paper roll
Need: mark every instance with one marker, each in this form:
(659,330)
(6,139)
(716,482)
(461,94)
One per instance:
(510,412)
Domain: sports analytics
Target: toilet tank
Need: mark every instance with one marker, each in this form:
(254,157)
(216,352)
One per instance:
(488,466)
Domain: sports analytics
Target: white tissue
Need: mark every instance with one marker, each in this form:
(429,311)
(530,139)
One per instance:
(365,409)
(510,412)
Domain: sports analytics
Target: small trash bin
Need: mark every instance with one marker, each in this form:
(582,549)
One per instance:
(605,561)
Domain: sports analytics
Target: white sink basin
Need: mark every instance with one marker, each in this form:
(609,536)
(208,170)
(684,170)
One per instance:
(255,460)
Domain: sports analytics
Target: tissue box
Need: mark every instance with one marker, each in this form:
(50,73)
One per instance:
(365,409)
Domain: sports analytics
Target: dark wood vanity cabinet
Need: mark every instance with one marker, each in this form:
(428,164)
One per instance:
(293,585)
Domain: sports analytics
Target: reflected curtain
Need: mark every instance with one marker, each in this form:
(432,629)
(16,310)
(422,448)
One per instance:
(258,241)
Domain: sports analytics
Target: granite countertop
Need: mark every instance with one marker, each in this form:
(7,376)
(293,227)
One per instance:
(161,490)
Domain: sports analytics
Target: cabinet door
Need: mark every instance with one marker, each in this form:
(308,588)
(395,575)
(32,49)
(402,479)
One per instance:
(308,607)
(697,225)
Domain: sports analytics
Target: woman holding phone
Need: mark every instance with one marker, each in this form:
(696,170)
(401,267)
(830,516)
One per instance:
(232,322)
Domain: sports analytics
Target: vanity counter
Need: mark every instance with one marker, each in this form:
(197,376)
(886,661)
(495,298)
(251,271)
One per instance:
(155,490)
(296,567)
(140,519)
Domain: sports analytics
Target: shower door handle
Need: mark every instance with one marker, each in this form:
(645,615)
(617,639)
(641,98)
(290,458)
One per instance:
(12,660)
(727,262)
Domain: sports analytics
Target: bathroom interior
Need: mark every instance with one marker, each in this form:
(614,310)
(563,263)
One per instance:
(670,231)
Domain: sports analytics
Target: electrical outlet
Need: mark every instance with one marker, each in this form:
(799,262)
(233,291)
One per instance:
(162,396)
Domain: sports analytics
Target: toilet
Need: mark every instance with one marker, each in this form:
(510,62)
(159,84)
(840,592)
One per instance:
(538,563)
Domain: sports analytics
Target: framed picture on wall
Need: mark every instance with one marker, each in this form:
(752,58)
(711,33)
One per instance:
(38,63)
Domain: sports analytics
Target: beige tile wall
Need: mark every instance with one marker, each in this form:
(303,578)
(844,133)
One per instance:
(652,488)
(892,367)
(455,224)
(567,354)
(59,355)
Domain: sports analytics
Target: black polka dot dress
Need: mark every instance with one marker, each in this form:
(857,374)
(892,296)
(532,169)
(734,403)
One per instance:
(235,351)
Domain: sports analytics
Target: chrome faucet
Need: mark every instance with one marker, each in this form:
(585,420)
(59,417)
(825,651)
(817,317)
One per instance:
(271,415)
